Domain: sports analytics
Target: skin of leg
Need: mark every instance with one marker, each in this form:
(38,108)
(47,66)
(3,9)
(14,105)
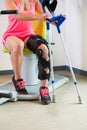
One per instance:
(46,57)
(15,46)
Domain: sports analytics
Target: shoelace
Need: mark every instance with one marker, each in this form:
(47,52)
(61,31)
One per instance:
(44,91)
(21,84)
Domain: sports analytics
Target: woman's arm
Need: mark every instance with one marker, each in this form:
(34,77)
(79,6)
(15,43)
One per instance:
(39,7)
(40,11)
(10,5)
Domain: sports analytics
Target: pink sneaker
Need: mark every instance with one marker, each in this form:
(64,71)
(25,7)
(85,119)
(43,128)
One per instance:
(19,85)
(45,98)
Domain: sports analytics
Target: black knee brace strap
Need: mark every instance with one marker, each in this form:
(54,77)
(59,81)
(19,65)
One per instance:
(32,45)
(42,64)
(34,42)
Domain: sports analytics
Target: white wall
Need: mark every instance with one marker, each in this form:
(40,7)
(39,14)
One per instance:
(76,33)
(84,35)
(74,30)
(58,51)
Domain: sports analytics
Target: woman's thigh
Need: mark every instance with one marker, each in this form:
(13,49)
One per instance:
(13,42)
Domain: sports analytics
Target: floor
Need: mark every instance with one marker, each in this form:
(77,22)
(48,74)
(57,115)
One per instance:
(65,114)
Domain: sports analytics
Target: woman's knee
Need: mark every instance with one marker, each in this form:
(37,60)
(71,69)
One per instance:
(45,51)
(19,47)
(44,48)
(14,44)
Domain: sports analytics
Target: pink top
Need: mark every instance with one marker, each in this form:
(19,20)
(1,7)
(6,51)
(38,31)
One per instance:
(20,28)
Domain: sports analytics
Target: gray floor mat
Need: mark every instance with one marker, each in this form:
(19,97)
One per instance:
(59,81)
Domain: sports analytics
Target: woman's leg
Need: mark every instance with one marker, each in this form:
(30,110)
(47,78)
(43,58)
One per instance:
(46,57)
(16,46)
(39,46)
(44,91)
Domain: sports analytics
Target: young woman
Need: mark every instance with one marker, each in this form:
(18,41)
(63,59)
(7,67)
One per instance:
(20,34)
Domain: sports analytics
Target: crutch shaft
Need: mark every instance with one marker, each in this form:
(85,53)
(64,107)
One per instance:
(52,72)
(72,72)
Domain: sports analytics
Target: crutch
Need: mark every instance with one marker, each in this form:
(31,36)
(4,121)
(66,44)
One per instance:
(59,20)
(54,100)
(51,5)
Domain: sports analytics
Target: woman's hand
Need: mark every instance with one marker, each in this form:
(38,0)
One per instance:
(43,17)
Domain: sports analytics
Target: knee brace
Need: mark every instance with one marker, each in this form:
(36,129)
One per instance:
(42,65)
(34,42)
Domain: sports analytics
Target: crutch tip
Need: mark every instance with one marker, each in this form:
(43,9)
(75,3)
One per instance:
(80,100)
(54,100)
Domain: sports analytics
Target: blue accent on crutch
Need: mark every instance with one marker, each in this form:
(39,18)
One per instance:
(75,83)
(58,20)
(53,82)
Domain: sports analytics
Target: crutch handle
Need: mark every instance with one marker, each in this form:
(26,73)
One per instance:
(60,19)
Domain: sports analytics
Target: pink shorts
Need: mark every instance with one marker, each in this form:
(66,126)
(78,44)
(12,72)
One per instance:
(22,38)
